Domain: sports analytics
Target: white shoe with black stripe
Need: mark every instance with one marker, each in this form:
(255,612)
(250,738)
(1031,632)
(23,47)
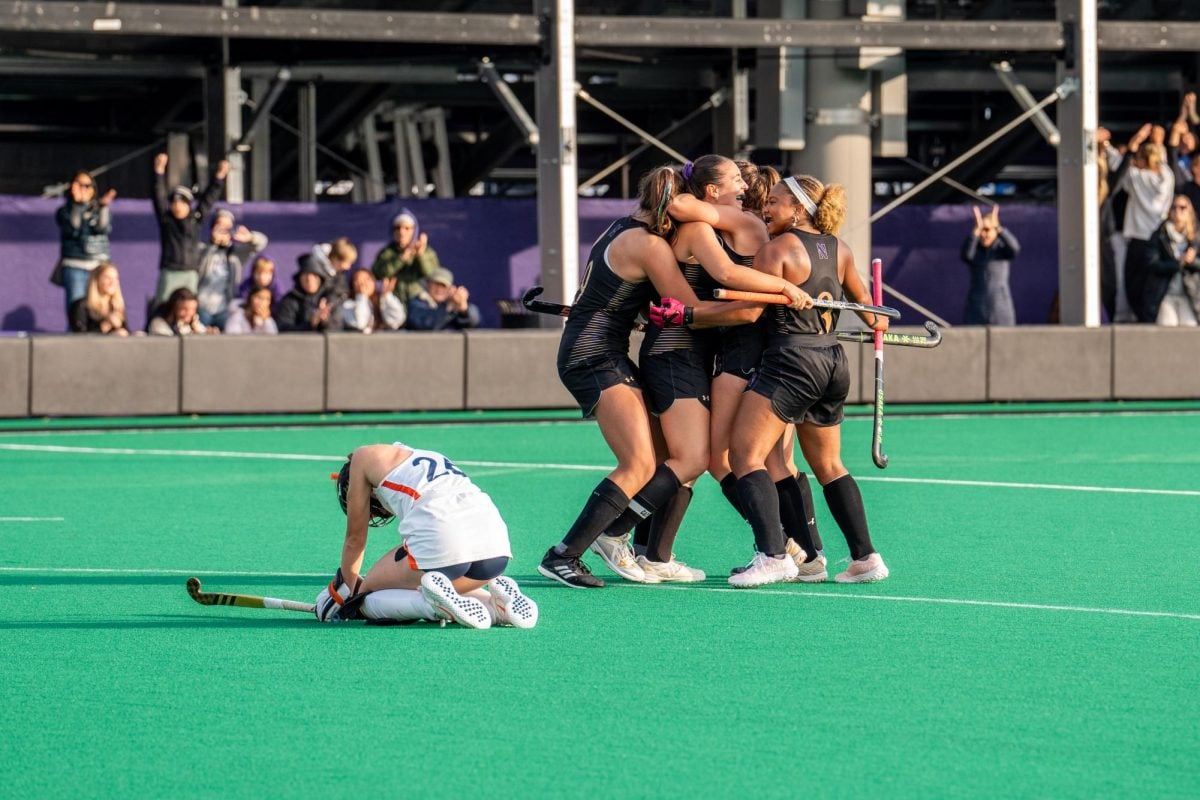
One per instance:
(569,571)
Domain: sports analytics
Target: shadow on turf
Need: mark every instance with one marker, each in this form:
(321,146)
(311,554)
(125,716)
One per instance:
(200,621)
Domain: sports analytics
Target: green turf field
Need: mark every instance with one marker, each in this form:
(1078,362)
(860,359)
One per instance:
(1038,636)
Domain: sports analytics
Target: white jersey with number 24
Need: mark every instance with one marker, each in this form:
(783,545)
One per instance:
(444,518)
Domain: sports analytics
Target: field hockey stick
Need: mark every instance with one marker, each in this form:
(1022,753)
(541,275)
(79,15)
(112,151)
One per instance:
(781,299)
(542,306)
(896,339)
(877,454)
(244,600)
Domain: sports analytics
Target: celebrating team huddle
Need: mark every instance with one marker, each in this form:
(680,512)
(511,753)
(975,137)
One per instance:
(720,387)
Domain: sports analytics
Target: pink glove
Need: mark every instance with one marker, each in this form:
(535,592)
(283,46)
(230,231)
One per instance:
(670,313)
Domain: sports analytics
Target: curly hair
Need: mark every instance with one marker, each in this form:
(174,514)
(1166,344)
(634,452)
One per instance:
(831,203)
(759,180)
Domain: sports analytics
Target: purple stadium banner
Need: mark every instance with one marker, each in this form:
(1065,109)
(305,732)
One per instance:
(491,246)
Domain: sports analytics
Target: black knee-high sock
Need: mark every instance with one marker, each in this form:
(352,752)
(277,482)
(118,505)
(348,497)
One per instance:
(846,505)
(810,512)
(666,521)
(661,488)
(729,489)
(641,534)
(758,496)
(791,513)
(629,517)
(605,504)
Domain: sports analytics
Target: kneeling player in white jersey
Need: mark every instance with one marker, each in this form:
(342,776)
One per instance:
(454,544)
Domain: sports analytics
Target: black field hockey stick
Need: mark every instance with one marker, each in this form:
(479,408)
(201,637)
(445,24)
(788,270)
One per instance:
(244,600)
(877,455)
(896,339)
(543,306)
(782,299)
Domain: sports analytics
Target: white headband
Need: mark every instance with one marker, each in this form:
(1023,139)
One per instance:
(804,199)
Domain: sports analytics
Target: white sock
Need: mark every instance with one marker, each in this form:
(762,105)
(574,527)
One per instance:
(398,604)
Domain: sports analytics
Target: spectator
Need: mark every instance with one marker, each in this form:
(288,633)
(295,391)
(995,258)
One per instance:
(179,228)
(1174,281)
(253,316)
(402,264)
(221,264)
(307,308)
(84,224)
(102,308)
(1191,188)
(178,316)
(262,275)
(989,252)
(335,259)
(441,305)
(1150,185)
(370,310)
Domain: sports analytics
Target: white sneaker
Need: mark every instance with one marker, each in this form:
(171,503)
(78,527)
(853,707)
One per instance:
(447,602)
(764,569)
(512,607)
(670,572)
(865,570)
(618,555)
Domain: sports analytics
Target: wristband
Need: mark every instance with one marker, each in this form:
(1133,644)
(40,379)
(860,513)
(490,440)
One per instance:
(688,312)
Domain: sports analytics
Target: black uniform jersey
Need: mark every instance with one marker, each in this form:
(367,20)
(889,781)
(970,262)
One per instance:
(664,340)
(822,284)
(606,306)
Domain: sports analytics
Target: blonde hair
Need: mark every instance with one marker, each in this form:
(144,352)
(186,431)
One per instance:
(655,190)
(1154,154)
(343,250)
(99,306)
(830,200)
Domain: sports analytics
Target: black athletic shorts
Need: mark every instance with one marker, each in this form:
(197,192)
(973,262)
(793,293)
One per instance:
(587,379)
(804,384)
(483,570)
(676,375)
(740,350)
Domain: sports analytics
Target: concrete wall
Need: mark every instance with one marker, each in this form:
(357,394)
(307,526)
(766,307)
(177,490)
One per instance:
(59,375)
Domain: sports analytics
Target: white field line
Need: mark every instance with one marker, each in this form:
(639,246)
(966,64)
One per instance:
(848,595)
(33,519)
(127,451)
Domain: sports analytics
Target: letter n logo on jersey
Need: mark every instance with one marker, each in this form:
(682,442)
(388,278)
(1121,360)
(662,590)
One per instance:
(822,251)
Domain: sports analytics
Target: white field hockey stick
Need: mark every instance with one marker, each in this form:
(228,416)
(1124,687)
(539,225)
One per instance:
(877,455)
(244,600)
(782,299)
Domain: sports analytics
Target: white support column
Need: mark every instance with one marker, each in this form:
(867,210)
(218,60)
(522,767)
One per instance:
(558,205)
(369,138)
(260,146)
(233,97)
(1078,181)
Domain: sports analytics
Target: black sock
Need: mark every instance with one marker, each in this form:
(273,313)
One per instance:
(605,504)
(729,489)
(629,517)
(791,514)
(758,496)
(810,512)
(846,505)
(661,488)
(666,521)
(641,534)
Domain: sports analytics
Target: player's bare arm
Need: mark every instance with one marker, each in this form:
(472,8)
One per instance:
(855,290)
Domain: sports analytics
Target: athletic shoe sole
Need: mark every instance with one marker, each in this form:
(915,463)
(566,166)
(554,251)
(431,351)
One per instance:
(466,611)
(554,576)
(518,610)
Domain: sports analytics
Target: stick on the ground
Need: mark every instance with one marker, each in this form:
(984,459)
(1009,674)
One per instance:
(244,600)
(781,299)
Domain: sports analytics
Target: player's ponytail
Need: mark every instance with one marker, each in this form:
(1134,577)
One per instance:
(655,190)
(831,209)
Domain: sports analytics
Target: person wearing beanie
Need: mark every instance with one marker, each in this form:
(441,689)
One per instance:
(403,263)
(308,307)
(179,224)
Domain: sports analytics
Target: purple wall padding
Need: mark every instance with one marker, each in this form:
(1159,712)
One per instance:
(491,245)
